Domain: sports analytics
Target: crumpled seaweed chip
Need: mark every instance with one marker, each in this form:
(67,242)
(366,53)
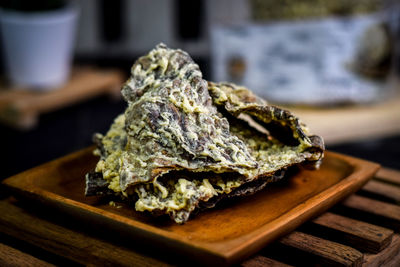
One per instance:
(183,143)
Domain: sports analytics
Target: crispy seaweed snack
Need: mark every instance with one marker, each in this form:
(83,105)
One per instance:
(184,143)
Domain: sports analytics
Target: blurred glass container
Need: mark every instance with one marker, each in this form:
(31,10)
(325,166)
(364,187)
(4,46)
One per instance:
(312,52)
(38,46)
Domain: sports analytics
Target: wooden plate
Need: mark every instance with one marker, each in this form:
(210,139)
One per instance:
(222,235)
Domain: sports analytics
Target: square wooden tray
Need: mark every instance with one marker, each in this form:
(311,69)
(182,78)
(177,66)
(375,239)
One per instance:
(222,235)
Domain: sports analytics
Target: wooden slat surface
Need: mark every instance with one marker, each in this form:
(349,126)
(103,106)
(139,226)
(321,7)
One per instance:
(388,191)
(262,261)
(388,175)
(329,252)
(387,214)
(351,232)
(79,247)
(389,257)
(12,257)
(358,234)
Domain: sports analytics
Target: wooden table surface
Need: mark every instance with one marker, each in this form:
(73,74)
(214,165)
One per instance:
(363,230)
(354,122)
(21,107)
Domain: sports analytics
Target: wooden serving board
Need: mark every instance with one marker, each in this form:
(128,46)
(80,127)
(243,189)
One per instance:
(222,235)
(21,107)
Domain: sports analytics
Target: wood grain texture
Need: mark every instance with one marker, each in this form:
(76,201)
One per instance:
(385,190)
(353,123)
(387,214)
(223,235)
(68,243)
(357,234)
(21,107)
(261,261)
(390,257)
(388,175)
(330,253)
(11,257)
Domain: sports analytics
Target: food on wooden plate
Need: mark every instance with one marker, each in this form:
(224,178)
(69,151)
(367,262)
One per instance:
(183,143)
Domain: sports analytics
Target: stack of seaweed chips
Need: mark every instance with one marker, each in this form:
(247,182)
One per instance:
(182,144)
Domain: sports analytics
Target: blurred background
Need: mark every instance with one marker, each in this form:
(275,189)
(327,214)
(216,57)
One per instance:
(334,63)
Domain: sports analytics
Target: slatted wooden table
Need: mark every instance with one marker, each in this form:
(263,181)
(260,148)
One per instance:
(363,230)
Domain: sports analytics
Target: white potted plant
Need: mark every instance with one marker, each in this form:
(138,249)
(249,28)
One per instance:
(37,39)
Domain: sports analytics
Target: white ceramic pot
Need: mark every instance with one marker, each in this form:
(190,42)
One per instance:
(38,47)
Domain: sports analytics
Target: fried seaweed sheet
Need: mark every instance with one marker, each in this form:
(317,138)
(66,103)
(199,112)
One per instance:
(183,143)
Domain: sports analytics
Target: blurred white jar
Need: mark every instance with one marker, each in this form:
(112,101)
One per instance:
(38,46)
